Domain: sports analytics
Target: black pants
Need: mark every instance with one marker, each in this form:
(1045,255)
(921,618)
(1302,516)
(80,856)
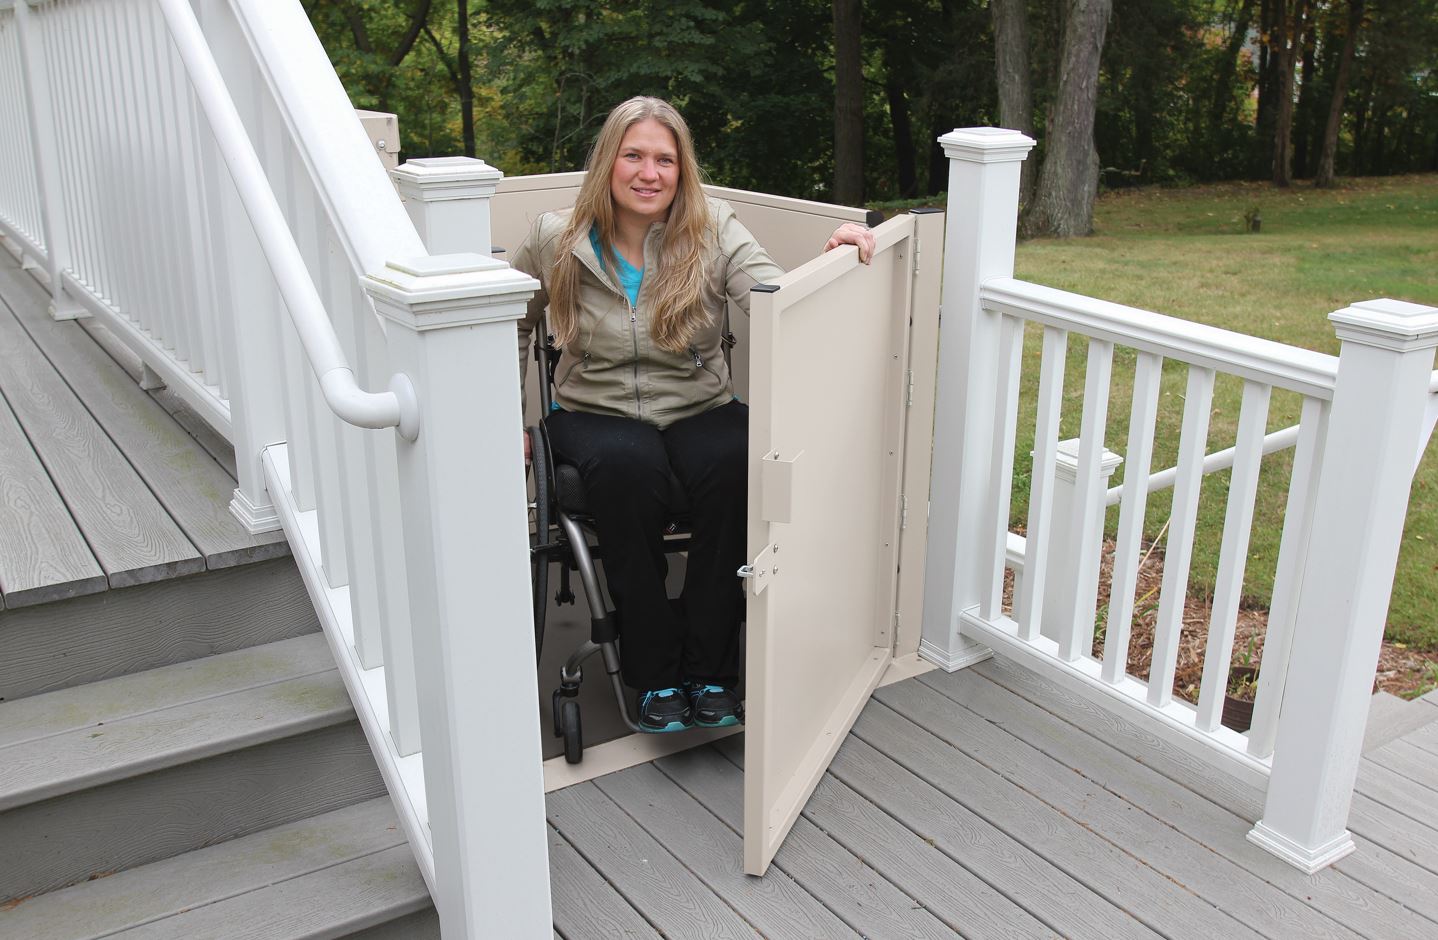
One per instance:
(625,464)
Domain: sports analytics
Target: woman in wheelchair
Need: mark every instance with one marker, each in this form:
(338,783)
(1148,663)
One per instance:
(635,279)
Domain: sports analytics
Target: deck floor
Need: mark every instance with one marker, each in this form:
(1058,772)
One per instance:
(102,486)
(988,804)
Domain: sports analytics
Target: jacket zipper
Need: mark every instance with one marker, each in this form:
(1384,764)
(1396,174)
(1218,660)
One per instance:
(634,335)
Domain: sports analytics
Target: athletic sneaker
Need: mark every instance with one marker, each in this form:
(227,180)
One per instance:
(663,710)
(715,706)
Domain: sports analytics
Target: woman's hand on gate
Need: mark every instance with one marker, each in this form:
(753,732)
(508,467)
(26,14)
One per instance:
(852,233)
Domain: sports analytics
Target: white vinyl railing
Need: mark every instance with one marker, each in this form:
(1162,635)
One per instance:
(190,174)
(1364,415)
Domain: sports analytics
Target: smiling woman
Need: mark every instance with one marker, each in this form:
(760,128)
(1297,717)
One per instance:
(635,280)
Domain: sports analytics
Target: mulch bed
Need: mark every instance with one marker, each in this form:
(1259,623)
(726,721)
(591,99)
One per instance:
(1402,671)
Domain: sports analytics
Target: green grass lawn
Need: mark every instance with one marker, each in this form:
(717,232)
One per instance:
(1184,252)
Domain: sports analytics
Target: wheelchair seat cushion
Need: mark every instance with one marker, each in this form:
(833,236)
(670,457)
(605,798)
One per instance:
(570,495)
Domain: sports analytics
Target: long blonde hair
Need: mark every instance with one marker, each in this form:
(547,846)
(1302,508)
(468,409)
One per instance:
(681,278)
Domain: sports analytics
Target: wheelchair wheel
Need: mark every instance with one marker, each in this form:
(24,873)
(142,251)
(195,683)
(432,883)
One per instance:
(573,733)
(556,700)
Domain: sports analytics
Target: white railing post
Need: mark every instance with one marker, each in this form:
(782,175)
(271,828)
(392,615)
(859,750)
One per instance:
(1376,425)
(451,329)
(39,114)
(982,219)
(448,200)
(1062,582)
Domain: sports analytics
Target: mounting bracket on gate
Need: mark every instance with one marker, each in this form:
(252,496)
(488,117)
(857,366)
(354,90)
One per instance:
(760,571)
(776,486)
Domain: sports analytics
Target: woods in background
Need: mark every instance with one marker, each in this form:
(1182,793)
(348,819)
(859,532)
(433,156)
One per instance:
(842,100)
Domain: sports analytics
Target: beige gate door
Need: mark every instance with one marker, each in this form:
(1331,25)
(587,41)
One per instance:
(829,350)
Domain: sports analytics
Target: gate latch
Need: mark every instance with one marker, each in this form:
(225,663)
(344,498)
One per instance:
(760,571)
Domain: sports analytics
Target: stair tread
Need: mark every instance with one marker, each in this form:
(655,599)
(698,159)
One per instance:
(250,873)
(109,700)
(1391,718)
(334,901)
(166,737)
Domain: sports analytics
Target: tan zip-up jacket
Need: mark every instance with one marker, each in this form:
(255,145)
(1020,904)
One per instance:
(614,366)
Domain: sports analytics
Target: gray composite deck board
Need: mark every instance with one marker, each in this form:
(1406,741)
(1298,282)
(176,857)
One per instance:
(107,701)
(89,756)
(1185,861)
(1425,736)
(775,906)
(1396,791)
(1170,786)
(85,639)
(1390,718)
(1414,764)
(142,895)
(962,900)
(129,532)
(143,819)
(842,881)
(1101,887)
(188,482)
(43,556)
(1395,832)
(345,898)
(585,905)
(672,898)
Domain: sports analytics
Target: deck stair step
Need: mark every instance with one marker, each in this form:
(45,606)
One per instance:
(1390,718)
(110,775)
(347,872)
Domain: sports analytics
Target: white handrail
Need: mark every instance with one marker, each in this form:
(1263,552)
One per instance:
(1301,370)
(398,407)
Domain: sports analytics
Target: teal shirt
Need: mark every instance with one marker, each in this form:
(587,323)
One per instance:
(630,277)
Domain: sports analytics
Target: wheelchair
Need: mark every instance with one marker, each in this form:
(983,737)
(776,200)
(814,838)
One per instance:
(563,529)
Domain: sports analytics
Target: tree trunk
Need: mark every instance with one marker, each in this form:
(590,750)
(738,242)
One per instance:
(1326,158)
(466,81)
(1063,202)
(1227,66)
(1289,37)
(904,153)
(848,104)
(1011,64)
(1303,115)
(1267,92)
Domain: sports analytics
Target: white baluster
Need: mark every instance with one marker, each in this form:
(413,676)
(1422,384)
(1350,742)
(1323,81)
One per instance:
(45,156)
(451,330)
(1011,347)
(1093,468)
(978,244)
(1038,539)
(1384,371)
(1128,552)
(1233,555)
(1288,576)
(1198,403)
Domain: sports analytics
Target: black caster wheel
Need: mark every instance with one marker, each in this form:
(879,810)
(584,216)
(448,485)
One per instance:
(555,702)
(573,733)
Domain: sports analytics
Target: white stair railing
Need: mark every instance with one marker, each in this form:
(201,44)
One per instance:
(231,224)
(1364,414)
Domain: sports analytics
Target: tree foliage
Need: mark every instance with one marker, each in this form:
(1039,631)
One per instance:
(1187,89)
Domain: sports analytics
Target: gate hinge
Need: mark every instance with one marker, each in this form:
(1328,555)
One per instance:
(918,248)
(760,570)
(909,395)
(903,513)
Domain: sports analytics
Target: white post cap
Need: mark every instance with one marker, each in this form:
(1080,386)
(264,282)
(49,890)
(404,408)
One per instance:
(438,291)
(1387,324)
(986,145)
(438,178)
(1066,460)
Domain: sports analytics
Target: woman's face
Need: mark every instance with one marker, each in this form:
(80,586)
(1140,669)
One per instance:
(646,173)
